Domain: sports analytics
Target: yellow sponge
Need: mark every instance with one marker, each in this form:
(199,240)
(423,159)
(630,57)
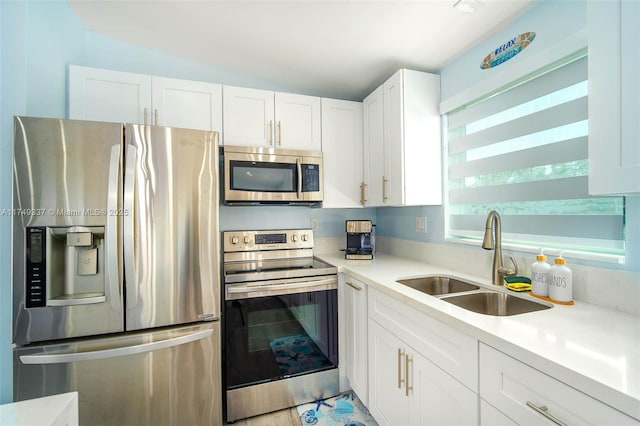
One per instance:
(519,286)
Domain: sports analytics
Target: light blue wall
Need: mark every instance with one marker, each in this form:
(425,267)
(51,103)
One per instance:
(38,42)
(330,221)
(551,20)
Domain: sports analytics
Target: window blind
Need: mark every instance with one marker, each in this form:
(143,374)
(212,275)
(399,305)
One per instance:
(523,152)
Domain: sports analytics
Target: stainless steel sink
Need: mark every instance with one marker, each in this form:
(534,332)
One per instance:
(494,303)
(437,285)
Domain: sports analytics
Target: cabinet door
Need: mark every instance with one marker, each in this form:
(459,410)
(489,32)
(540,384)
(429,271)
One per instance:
(614,97)
(248,117)
(387,400)
(187,104)
(105,95)
(436,397)
(393,191)
(297,122)
(373,112)
(342,153)
(355,295)
(422,144)
(491,416)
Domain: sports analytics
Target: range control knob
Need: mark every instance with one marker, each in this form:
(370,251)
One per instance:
(294,238)
(246,240)
(305,237)
(235,240)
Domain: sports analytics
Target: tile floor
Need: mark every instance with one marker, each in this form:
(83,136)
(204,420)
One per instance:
(287,417)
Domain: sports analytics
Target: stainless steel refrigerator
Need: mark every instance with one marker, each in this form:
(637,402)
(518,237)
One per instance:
(116,270)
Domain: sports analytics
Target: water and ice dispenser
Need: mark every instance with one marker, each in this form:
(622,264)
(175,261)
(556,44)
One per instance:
(64,266)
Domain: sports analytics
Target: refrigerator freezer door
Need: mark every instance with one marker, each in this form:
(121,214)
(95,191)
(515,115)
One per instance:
(67,180)
(166,377)
(171,258)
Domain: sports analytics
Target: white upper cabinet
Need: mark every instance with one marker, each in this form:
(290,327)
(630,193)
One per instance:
(297,119)
(614,97)
(403,163)
(247,116)
(374,164)
(342,153)
(261,118)
(105,95)
(187,104)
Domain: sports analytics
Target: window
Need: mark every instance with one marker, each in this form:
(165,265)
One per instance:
(523,152)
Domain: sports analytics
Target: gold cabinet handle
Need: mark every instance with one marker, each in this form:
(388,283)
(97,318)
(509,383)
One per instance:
(407,361)
(270,132)
(400,380)
(363,187)
(545,412)
(279,133)
(352,285)
(384,189)
(146,117)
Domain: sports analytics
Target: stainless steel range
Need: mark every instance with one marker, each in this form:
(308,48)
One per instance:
(280,322)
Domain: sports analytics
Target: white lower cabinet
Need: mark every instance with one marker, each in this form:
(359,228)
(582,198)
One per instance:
(491,416)
(528,396)
(407,389)
(421,372)
(353,339)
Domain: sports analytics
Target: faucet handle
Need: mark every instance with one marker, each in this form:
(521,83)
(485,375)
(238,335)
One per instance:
(508,271)
(515,264)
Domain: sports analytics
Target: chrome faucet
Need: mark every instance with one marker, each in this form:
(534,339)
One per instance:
(494,242)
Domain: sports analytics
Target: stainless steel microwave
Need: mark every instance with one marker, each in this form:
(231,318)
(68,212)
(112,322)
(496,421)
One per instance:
(271,176)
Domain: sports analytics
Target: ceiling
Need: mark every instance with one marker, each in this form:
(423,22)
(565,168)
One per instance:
(341,49)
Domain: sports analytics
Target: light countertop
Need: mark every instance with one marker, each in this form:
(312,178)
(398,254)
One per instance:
(49,410)
(593,349)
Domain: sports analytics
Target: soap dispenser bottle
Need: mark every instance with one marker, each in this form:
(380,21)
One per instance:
(540,275)
(560,281)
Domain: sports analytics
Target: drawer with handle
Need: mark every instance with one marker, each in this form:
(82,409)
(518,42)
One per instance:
(528,396)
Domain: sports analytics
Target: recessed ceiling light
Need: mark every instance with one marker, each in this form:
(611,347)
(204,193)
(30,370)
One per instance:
(468,6)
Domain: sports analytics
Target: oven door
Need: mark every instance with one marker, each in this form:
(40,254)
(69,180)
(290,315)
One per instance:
(272,334)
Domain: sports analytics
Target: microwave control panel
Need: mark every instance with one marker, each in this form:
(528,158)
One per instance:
(310,178)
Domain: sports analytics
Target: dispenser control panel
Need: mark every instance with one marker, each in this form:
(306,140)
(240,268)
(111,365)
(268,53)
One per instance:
(36,284)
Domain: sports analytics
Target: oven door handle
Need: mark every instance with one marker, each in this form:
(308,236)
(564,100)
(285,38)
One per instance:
(249,290)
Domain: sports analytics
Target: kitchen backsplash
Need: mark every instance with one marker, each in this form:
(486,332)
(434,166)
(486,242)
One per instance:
(617,290)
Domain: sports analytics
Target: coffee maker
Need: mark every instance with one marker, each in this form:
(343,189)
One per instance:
(360,239)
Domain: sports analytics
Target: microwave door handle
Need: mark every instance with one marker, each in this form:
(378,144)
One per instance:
(299,166)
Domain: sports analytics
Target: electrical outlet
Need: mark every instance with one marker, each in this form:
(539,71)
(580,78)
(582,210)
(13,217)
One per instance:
(421,225)
(315,224)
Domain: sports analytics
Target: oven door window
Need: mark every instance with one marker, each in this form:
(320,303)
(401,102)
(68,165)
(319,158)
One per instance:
(263,177)
(270,338)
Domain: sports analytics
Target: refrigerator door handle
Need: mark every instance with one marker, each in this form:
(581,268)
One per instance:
(128,232)
(61,358)
(112,267)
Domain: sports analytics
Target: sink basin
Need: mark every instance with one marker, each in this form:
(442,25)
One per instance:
(494,303)
(438,285)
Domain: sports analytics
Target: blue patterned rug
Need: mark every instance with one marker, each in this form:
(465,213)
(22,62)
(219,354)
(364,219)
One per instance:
(342,410)
(296,354)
